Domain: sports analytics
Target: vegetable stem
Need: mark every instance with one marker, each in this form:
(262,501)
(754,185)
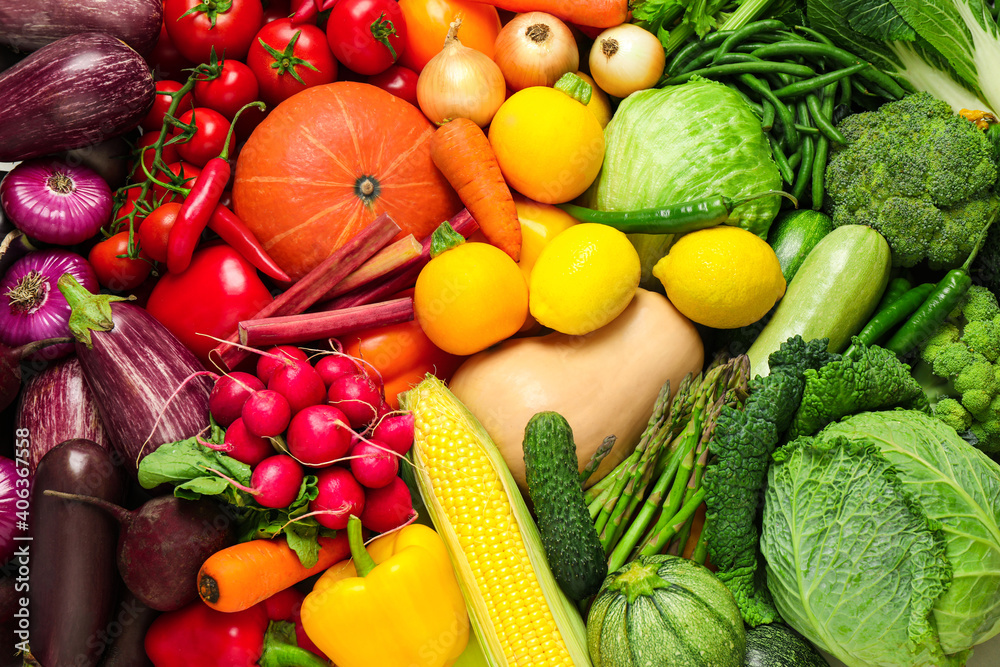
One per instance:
(305,327)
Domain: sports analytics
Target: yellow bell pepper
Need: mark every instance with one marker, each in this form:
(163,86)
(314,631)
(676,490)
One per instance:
(397,604)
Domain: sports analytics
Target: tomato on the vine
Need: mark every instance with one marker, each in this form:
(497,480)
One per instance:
(287,59)
(398,80)
(368,36)
(144,146)
(155,230)
(209,137)
(129,205)
(198,26)
(114,268)
(183,171)
(235,87)
(162,100)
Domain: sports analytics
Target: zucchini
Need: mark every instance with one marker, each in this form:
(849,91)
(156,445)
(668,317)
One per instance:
(831,296)
(777,645)
(570,541)
(794,235)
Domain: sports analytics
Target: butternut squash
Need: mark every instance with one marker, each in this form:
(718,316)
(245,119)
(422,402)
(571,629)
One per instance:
(603,383)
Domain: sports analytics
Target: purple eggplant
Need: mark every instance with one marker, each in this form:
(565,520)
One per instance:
(73,577)
(27,26)
(129,646)
(57,405)
(79,91)
(149,388)
(10,367)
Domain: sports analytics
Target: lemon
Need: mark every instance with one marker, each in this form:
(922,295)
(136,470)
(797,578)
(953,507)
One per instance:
(723,277)
(583,279)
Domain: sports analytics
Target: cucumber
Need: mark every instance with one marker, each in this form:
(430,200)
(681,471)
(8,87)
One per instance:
(571,544)
(794,235)
(831,296)
(777,645)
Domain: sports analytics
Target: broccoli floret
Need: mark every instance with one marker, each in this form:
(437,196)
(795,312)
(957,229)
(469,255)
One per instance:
(979,305)
(917,173)
(942,339)
(952,359)
(952,413)
(981,337)
(979,375)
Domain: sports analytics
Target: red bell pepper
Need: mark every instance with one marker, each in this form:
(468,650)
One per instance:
(263,635)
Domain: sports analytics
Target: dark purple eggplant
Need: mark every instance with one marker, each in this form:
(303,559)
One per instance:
(10,367)
(9,598)
(57,405)
(73,578)
(128,648)
(27,26)
(79,91)
(144,380)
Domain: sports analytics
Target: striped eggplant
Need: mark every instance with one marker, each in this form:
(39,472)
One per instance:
(144,380)
(57,405)
(27,26)
(79,91)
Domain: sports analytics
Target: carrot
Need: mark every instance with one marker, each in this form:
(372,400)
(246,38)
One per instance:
(240,576)
(460,149)
(590,13)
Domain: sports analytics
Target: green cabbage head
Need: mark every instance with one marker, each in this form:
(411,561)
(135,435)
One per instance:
(675,144)
(882,540)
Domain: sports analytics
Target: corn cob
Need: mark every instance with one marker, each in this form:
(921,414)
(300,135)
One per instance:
(519,614)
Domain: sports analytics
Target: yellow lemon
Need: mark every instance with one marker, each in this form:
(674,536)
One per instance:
(583,279)
(723,277)
(549,146)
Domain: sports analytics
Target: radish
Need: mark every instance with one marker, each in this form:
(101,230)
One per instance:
(375,466)
(339,496)
(357,396)
(244,446)
(271,360)
(333,366)
(318,435)
(229,394)
(266,413)
(396,431)
(387,508)
(300,383)
(276,481)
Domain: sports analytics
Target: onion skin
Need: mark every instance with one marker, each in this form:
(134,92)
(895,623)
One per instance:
(55,202)
(49,316)
(27,26)
(79,91)
(535,49)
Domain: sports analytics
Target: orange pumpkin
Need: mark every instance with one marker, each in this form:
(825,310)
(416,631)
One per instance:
(328,161)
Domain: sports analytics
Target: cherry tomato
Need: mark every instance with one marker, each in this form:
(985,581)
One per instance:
(121,216)
(398,80)
(427,24)
(367,36)
(114,269)
(165,60)
(161,102)
(209,137)
(287,59)
(227,26)
(188,172)
(235,87)
(155,230)
(144,144)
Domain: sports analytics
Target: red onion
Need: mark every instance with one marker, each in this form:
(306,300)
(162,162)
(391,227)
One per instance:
(9,509)
(32,307)
(56,202)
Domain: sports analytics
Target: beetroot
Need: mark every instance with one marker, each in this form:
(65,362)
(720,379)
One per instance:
(387,508)
(229,394)
(300,383)
(163,544)
(318,435)
(340,495)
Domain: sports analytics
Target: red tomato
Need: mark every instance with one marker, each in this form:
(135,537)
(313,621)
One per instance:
(161,102)
(121,216)
(368,36)
(169,154)
(398,80)
(287,59)
(209,137)
(114,269)
(235,87)
(228,290)
(165,60)
(155,230)
(188,172)
(227,26)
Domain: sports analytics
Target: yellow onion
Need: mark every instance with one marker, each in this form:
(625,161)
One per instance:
(535,49)
(460,82)
(625,59)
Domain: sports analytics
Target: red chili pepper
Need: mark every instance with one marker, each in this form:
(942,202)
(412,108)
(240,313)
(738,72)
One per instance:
(199,205)
(199,635)
(234,231)
(308,10)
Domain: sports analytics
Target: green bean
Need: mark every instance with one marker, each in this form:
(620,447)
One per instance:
(823,122)
(695,47)
(819,172)
(767,121)
(743,33)
(753,67)
(756,108)
(807,129)
(885,83)
(803,178)
(845,91)
(795,158)
(815,34)
(730,58)
(787,173)
(782,111)
(809,85)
